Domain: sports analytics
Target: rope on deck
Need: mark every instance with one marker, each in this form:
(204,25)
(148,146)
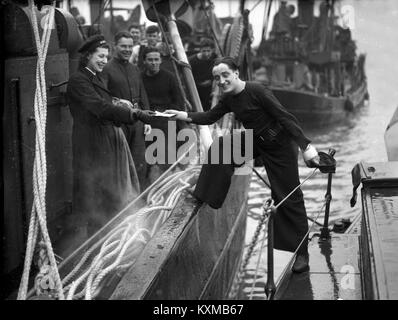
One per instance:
(119,249)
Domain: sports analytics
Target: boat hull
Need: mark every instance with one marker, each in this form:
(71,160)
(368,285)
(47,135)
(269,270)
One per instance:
(319,110)
(390,138)
(195,254)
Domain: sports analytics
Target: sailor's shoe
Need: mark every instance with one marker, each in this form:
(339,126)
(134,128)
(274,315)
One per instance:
(301,263)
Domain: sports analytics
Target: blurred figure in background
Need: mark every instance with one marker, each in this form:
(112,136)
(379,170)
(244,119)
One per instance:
(166,54)
(152,37)
(202,65)
(163,93)
(135,31)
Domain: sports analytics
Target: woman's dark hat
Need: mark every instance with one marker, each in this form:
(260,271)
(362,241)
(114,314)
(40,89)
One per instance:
(92,43)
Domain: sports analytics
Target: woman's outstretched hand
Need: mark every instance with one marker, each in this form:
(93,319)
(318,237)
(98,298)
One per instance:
(179,115)
(144,115)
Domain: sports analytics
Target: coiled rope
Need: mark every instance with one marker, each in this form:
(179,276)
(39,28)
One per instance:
(48,277)
(119,249)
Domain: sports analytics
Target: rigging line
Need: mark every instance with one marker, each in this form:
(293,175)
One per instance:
(285,198)
(309,229)
(262,179)
(295,252)
(258,2)
(265,17)
(211,27)
(266,23)
(305,236)
(101,12)
(268,185)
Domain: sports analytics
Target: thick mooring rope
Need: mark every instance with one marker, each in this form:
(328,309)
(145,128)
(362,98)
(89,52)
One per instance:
(48,277)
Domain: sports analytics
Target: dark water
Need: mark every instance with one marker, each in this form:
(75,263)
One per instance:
(360,138)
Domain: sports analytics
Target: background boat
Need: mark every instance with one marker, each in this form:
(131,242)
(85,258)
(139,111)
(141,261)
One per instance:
(311,63)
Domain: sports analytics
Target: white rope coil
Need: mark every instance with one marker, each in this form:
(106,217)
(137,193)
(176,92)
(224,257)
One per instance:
(119,249)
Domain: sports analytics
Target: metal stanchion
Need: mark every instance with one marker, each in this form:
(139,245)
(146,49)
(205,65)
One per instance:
(325,232)
(270,287)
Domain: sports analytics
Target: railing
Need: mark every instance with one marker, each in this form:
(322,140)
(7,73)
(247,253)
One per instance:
(270,287)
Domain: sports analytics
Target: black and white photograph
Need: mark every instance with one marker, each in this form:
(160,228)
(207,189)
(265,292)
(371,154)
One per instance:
(199,154)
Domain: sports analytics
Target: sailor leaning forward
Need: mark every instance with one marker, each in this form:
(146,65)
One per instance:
(276,136)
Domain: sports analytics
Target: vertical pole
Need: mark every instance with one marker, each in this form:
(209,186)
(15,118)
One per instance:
(113,27)
(95,11)
(270,287)
(325,229)
(193,92)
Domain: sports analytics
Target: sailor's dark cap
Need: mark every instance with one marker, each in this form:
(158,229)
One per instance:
(92,43)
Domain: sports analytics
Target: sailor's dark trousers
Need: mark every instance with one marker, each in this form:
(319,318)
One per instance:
(279,156)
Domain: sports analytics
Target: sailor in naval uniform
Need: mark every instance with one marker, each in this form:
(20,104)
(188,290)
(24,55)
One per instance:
(276,135)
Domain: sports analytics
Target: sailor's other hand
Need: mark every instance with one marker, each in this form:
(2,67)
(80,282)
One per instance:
(179,115)
(147,129)
(144,115)
(123,103)
(205,83)
(311,157)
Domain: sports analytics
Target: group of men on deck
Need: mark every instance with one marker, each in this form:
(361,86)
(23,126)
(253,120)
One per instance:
(140,71)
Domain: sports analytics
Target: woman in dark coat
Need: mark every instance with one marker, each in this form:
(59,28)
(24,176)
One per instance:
(104,176)
(276,138)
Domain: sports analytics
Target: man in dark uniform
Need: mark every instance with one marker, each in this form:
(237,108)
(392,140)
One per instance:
(124,81)
(276,137)
(163,93)
(202,64)
(152,38)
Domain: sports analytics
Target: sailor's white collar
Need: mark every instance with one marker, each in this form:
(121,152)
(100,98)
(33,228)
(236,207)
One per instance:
(90,70)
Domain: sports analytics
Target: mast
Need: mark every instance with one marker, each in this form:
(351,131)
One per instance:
(95,10)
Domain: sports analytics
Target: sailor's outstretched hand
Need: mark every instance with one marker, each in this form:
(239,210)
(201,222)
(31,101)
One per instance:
(179,115)
(311,157)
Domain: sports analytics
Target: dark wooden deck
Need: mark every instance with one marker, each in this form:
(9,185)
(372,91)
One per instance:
(379,234)
(361,264)
(334,271)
